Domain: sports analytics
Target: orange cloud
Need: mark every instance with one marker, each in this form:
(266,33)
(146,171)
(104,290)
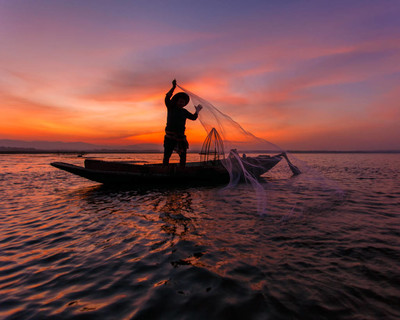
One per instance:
(271,72)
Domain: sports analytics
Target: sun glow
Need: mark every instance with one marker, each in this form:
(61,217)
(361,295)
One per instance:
(289,85)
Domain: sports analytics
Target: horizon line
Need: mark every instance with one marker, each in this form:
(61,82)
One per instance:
(3,150)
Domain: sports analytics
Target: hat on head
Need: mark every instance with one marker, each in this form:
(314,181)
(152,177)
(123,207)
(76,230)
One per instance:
(181,95)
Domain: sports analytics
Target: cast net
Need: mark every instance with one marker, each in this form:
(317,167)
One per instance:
(245,156)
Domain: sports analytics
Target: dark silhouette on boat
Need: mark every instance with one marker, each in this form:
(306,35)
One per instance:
(212,169)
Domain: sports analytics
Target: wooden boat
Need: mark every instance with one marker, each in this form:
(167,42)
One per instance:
(124,173)
(210,170)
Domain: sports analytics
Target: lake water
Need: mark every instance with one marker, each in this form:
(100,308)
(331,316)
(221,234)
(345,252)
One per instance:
(328,246)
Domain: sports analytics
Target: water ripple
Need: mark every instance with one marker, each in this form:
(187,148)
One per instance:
(73,249)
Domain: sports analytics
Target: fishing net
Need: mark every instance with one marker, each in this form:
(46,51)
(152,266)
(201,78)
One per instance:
(245,156)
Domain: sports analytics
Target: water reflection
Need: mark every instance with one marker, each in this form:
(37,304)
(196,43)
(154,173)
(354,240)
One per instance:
(73,249)
(172,208)
(172,211)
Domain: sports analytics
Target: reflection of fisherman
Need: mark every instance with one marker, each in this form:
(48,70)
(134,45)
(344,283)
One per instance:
(175,138)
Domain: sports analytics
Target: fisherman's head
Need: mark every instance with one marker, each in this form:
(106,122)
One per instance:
(181,99)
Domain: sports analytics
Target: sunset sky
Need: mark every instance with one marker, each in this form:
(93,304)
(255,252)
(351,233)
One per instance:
(301,74)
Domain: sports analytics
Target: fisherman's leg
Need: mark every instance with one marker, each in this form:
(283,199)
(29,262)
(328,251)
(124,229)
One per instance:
(182,157)
(168,149)
(167,154)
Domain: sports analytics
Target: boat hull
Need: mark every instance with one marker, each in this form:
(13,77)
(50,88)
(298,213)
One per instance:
(147,176)
(122,173)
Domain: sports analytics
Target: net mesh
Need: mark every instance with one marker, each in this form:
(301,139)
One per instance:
(245,156)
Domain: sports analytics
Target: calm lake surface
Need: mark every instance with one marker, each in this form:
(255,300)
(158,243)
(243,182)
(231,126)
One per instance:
(328,246)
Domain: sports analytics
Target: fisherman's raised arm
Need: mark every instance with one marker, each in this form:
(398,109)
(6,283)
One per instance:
(170,93)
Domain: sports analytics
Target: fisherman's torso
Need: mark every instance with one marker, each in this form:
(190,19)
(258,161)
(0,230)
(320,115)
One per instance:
(176,119)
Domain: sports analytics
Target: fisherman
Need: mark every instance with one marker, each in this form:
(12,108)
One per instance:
(175,138)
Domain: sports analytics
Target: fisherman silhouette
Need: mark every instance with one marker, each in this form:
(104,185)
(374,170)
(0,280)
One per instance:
(175,138)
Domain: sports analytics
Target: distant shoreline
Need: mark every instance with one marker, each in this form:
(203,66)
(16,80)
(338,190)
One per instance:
(79,152)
